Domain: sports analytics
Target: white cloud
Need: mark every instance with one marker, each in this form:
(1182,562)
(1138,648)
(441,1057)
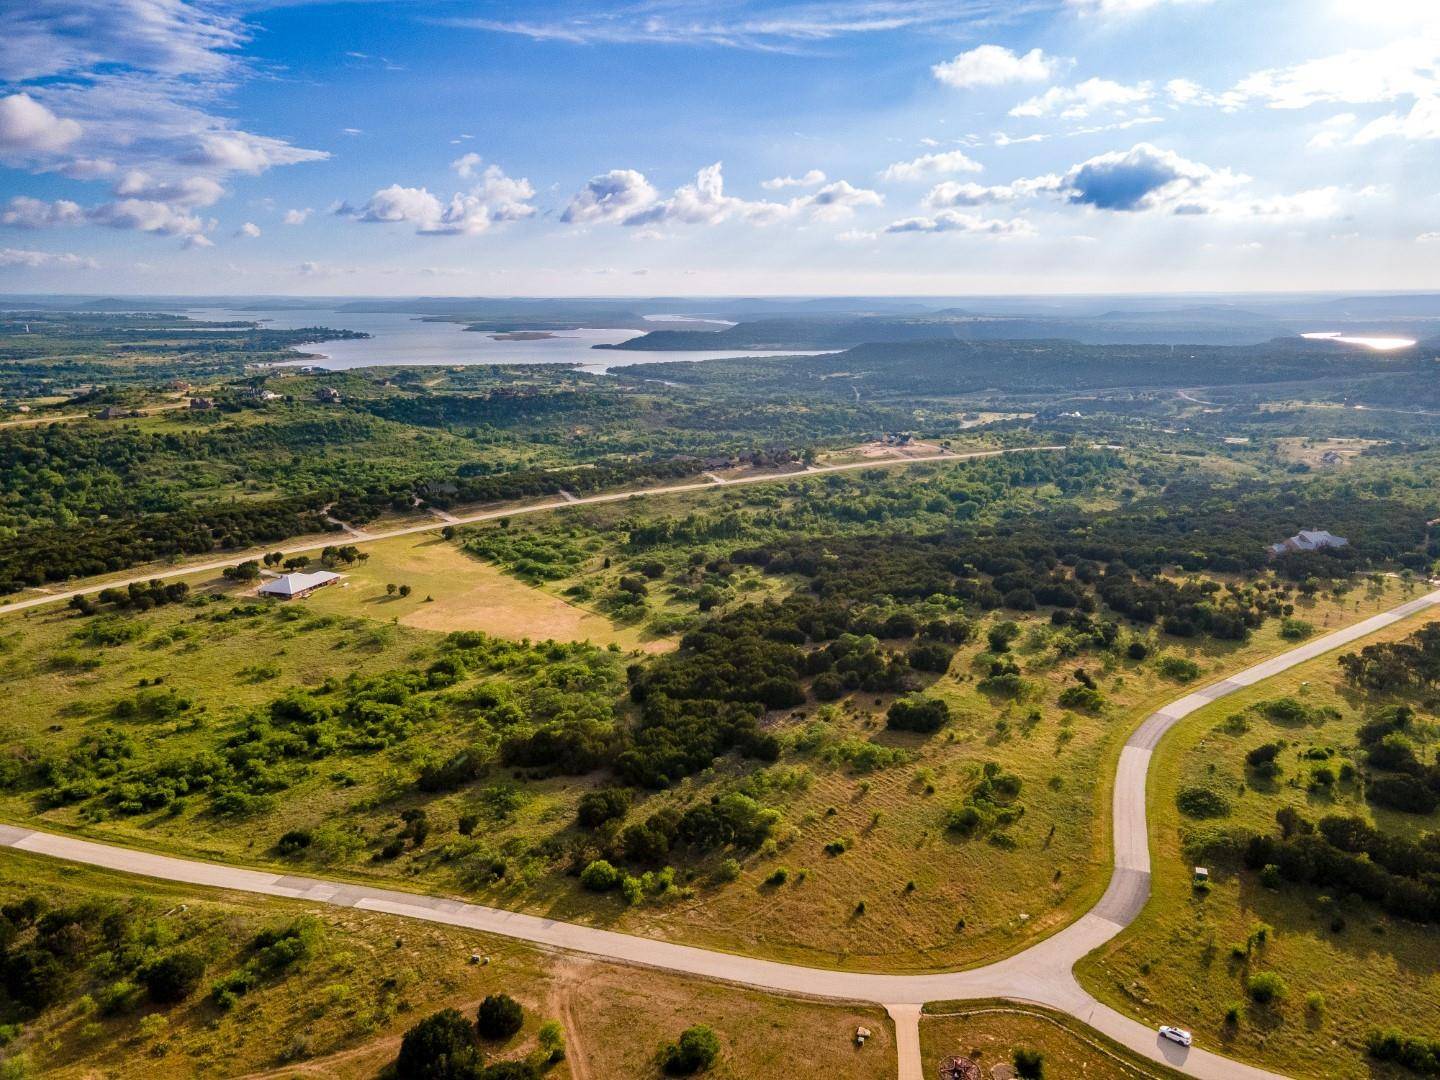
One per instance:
(611,196)
(1405,67)
(1334,131)
(186,191)
(297,217)
(1421,122)
(954,193)
(43,260)
(1079,101)
(1002,139)
(787,28)
(1125,7)
(145,215)
(88,169)
(466,165)
(23,212)
(948,221)
(1428,238)
(1147,178)
(495,199)
(239,151)
(930,165)
(27,126)
(142,215)
(992,65)
(810,179)
(249,229)
(42,38)
(626,197)
(837,201)
(198,240)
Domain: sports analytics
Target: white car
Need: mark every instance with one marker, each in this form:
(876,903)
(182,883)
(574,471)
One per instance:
(1175,1034)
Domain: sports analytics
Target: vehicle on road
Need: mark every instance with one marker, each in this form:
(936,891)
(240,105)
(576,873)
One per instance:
(1175,1034)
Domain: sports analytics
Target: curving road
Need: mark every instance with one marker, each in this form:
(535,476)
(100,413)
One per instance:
(1041,974)
(358,537)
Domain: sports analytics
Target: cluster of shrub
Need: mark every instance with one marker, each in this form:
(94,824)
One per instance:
(1345,854)
(447,1046)
(137,596)
(992,805)
(1406,783)
(733,820)
(55,553)
(47,953)
(1397,666)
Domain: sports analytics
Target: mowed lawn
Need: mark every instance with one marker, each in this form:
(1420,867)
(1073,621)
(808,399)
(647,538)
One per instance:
(989,1033)
(451,590)
(1176,963)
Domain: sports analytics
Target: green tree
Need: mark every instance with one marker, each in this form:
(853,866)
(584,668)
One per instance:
(440,1047)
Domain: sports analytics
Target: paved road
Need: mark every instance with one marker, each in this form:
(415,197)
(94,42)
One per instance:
(1041,975)
(514,511)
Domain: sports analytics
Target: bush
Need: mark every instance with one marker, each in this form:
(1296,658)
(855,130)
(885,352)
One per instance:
(1415,1052)
(598,807)
(1029,1064)
(1202,802)
(500,1016)
(1082,698)
(1292,629)
(174,977)
(918,713)
(1137,650)
(1266,987)
(695,1051)
(600,876)
(440,1047)
(1178,668)
(294,842)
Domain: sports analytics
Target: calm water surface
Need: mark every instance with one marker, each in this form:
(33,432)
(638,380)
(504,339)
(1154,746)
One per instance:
(401,340)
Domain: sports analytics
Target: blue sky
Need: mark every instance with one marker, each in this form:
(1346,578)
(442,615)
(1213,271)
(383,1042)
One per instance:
(674,146)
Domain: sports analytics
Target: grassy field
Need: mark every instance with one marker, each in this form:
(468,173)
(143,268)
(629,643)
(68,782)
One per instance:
(990,1032)
(931,899)
(454,591)
(341,1012)
(1175,963)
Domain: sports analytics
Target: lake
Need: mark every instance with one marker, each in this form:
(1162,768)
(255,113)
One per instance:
(1379,344)
(401,340)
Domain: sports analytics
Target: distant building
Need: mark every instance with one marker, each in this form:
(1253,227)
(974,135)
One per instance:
(327,393)
(1308,540)
(202,403)
(113,412)
(292,586)
(259,393)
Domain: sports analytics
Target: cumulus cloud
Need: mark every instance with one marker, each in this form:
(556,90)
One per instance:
(611,196)
(952,221)
(1145,178)
(249,229)
(45,260)
(27,127)
(24,212)
(624,196)
(930,165)
(185,191)
(495,199)
(142,215)
(297,217)
(1079,101)
(1421,122)
(466,165)
(810,179)
(992,65)
(953,193)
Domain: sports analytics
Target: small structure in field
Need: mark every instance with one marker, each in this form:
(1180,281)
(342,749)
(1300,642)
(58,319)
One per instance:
(1308,540)
(1202,873)
(114,412)
(293,586)
(861,1034)
(200,404)
(327,394)
(959,1068)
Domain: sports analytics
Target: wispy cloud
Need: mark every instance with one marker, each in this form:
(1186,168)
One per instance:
(750,25)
